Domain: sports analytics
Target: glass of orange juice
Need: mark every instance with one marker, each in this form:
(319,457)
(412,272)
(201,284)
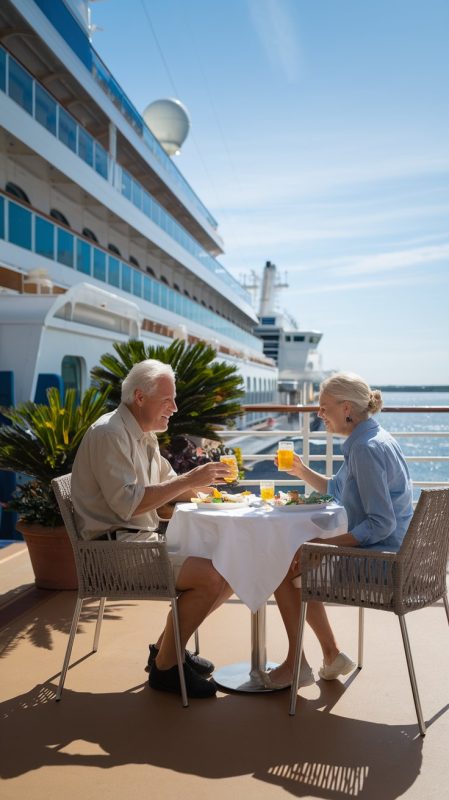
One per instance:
(267,490)
(285,455)
(231,461)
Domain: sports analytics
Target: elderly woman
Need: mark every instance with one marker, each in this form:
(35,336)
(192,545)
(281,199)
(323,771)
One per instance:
(373,485)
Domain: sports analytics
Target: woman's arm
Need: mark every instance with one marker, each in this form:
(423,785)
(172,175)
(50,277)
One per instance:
(299,470)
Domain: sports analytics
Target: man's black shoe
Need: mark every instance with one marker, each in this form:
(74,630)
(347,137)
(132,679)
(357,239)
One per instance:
(167,680)
(201,665)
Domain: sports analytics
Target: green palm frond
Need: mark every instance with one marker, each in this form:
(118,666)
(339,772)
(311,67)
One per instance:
(208,392)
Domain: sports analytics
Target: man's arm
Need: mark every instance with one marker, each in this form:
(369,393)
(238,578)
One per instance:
(183,486)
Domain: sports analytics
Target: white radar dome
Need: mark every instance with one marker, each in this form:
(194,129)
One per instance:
(169,121)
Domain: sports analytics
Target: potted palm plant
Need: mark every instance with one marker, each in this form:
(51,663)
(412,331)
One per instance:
(41,442)
(208,394)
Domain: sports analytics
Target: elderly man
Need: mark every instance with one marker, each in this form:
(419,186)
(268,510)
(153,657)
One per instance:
(119,479)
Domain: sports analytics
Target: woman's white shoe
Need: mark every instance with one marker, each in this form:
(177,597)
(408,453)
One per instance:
(306,678)
(341,665)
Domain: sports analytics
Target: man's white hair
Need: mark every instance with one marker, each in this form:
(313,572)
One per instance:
(145,376)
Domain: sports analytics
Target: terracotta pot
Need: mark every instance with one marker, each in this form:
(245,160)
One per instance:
(51,556)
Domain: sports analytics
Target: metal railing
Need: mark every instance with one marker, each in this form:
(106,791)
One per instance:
(299,418)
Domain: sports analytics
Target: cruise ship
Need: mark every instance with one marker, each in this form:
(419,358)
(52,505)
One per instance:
(101,237)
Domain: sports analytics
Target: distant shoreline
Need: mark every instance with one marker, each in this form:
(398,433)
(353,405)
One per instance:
(394,388)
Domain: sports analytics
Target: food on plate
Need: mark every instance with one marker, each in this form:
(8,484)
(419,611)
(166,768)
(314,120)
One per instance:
(221,497)
(293,498)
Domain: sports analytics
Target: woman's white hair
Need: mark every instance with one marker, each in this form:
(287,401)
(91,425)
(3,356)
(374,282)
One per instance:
(145,376)
(352,388)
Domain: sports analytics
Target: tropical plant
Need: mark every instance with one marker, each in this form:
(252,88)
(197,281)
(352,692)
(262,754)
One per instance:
(41,441)
(207,391)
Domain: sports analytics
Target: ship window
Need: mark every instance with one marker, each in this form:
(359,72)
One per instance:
(151,271)
(203,303)
(134,261)
(99,264)
(2,216)
(164,280)
(20,86)
(65,247)
(186,293)
(16,191)
(298,338)
(45,238)
(90,235)
(67,129)
(268,321)
(19,226)
(314,339)
(176,287)
(113,249)
(126,278)
(211,308)
(71,370)
(86,147)
(45,109)
(195,298)
(288,338)
(59,216)
(83,256)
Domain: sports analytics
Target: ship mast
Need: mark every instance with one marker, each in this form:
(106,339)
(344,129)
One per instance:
(271,282)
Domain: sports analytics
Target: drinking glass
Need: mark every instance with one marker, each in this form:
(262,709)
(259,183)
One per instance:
(267,490)
(231,461)
(285,455)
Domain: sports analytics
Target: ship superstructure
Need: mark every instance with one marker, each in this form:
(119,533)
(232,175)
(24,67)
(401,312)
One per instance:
(101,237)
(293,350)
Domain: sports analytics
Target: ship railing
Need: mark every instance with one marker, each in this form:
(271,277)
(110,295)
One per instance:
(299,421)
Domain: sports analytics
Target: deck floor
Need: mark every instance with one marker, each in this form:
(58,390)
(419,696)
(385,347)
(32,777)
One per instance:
(112,736)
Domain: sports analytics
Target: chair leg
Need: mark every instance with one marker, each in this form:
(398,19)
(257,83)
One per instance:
(197,642)
(98,625)
(179,652)
(361,635)
(68,652)
(298,654)
(446,605)
(411,672)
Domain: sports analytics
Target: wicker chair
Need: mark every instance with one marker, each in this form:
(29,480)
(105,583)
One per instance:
(119,570)
(413,578)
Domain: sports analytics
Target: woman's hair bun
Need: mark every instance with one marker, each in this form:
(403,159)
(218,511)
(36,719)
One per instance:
(375,401)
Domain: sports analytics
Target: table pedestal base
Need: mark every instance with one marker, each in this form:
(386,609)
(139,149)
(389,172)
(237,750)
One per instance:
(239,678)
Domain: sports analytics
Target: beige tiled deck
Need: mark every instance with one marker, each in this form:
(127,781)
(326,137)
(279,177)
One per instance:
(113,737)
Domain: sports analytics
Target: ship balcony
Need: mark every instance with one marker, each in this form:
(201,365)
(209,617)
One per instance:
(168,234)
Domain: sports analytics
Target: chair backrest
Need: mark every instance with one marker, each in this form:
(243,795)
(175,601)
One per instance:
(425,550)
(115,569)
(62,488)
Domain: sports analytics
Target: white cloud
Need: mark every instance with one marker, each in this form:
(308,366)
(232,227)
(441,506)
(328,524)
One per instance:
(276,30)
(394,260)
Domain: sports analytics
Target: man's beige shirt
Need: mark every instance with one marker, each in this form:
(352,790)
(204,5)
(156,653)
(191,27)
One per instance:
(115,461)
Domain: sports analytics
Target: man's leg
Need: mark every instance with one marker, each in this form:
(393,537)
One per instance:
(203,590)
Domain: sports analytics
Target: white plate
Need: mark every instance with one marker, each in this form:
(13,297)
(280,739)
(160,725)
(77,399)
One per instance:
(219,506)
(300,507)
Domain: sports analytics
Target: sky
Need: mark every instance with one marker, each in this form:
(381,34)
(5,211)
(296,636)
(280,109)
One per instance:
(319,141)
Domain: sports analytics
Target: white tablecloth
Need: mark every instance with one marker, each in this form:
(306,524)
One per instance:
(251,548)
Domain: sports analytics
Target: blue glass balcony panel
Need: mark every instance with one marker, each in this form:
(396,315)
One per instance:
(45,109)
(83,256)
(147,288)
(137,283)
(67,129)
(85,146)
(126,185)
(114,272)
(20,86)
(19,226)
(126,278)
(44,238)
(2,70)
(99,264)
(2,217)
(65,247)
(101,161)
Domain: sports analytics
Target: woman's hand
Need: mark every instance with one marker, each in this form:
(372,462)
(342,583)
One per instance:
(297,469)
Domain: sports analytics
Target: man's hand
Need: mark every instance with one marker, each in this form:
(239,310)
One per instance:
(206,474)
